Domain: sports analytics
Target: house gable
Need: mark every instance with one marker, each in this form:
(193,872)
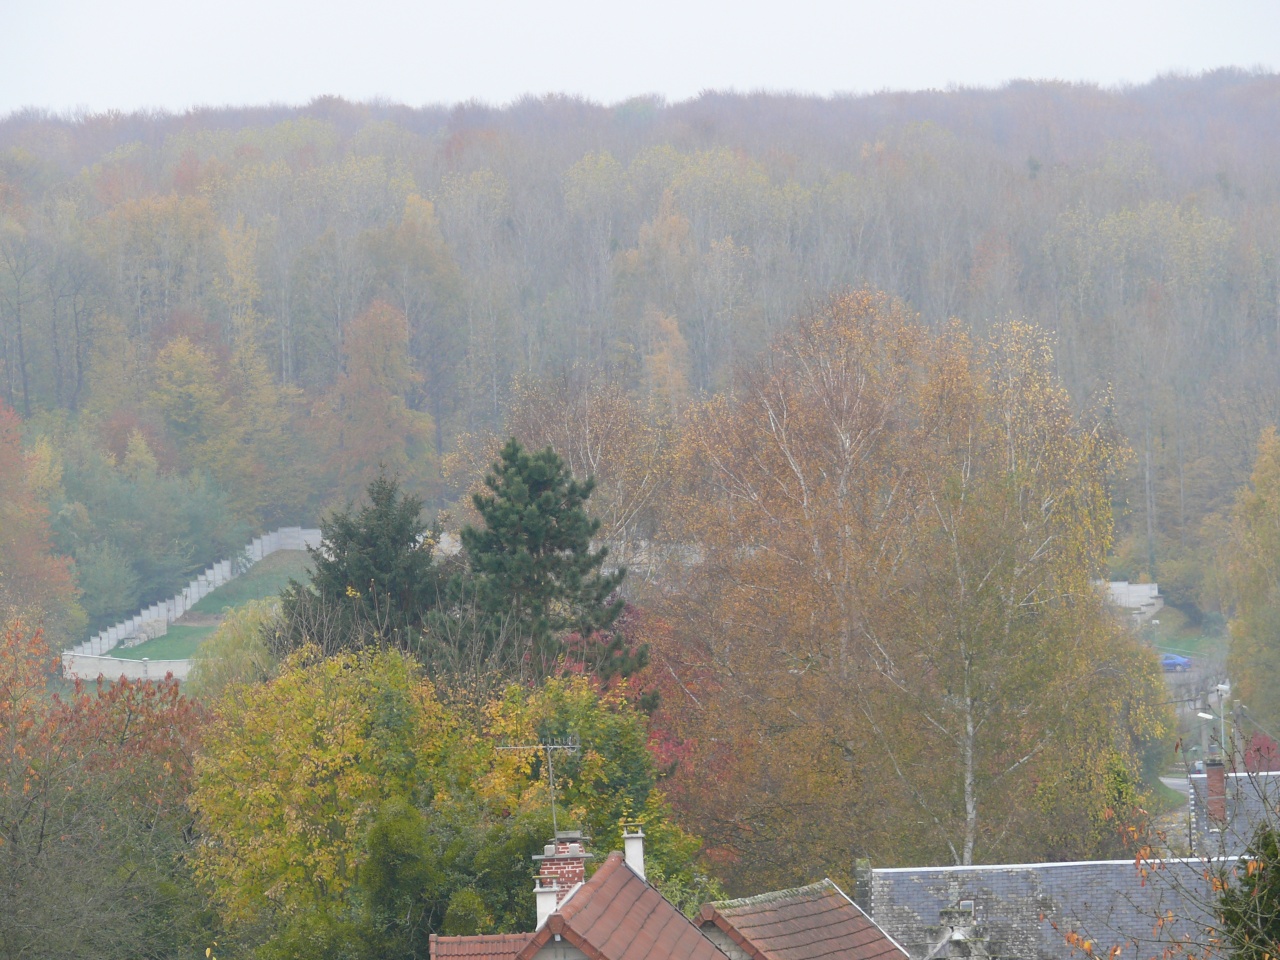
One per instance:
(617,916)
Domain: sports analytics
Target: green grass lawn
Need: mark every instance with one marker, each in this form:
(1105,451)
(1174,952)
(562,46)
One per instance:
(179,643)
(1193,645)
(266,578)
(1174,634)
(1163,799)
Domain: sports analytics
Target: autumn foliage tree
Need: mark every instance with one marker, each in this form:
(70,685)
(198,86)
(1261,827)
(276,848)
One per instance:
(93,821)
(271,301)
(292,774)
(1251,558)
(32,577)
(889,637)
(602,431)
(347,810)
(365,419)
(613,779)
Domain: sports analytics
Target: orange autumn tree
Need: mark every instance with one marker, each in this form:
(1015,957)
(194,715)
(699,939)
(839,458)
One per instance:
(32,578)
(93,824)
(888,643)
(366,418)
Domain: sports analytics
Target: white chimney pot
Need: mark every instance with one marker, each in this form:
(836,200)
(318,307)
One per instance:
(545,891)
(633,851)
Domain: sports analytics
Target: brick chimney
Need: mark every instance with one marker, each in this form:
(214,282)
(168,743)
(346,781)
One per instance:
(862,880)
(1215,779)
(563,870)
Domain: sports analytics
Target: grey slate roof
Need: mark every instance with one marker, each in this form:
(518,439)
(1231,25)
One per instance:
(1026,910)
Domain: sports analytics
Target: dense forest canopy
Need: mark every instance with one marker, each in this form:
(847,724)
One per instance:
(776,441)
(246,310)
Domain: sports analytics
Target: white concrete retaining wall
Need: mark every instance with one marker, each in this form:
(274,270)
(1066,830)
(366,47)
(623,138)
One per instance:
(83,667)
(88,660)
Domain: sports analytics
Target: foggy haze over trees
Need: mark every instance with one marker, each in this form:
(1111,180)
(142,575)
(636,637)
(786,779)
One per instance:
(346,283)
(775,442)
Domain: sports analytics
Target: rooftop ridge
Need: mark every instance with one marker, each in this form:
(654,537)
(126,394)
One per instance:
(1052,864)
(952,867)
(1252,774)
(826,884)
(485,946)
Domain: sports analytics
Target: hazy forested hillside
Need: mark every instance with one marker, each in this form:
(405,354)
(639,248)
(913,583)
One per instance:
(223,321)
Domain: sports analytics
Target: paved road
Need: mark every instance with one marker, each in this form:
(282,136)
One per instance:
(1181,784)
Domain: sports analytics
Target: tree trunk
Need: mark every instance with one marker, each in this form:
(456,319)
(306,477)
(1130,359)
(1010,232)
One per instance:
(22,358)
(970,794)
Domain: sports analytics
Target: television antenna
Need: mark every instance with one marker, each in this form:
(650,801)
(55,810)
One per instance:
(549,747)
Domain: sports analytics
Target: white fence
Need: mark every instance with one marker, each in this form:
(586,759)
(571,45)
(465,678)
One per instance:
(89,660)
(78,665)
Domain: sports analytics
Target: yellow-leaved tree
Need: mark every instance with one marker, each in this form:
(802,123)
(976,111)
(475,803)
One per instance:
(344,810)
(1252,563)
(292,772)
(187,397)
(606,782)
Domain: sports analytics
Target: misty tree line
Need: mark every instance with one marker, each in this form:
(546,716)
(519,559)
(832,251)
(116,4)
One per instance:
(155,270)
(240,318)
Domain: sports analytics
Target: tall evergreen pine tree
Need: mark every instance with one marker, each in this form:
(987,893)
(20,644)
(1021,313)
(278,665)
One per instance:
(534,576)
(373,576)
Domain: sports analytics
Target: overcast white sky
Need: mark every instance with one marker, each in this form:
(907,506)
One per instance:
(129,54)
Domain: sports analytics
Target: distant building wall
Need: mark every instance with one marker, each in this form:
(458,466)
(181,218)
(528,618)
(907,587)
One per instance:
(1133,596)
(1141,600)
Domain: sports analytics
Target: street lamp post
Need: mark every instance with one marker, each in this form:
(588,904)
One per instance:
(1224,689)
(1203,715)
(1221,718)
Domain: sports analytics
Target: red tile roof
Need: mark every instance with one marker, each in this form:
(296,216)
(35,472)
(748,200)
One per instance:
(497,946)
(617,916)
(807,923)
